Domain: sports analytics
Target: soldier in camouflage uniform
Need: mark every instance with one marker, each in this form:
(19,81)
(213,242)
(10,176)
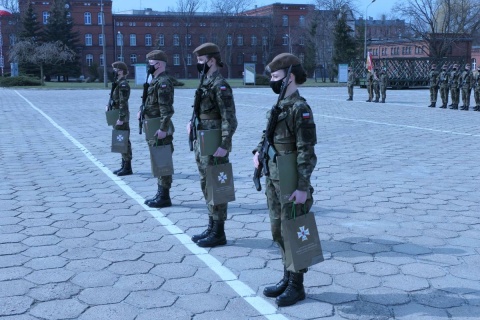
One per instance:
(455,87)
(444,80)
(466,80)
(433,76)
(383,84)
(295,132)
(350,83)
(376,85)
(369,82)
(216,111)
(120,101)
(476,93)
(159,104)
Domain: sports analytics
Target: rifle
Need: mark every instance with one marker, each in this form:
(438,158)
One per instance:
(267,150)
(195,109)
(142,107)
(110,101)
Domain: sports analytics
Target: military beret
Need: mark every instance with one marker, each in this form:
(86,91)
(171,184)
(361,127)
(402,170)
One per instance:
(283,61)
(120,65)
(157,55)
(206,48)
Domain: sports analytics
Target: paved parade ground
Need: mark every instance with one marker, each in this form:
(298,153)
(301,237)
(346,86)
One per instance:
(397,204)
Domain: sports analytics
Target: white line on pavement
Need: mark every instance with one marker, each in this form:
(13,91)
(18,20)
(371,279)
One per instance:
(261,305)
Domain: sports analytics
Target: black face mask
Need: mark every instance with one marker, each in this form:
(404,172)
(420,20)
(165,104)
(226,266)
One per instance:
(151,69)
(454,69)
(277,85)
(203,67)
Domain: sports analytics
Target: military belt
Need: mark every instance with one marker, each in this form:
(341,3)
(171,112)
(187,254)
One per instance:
(285,147)
(209,116)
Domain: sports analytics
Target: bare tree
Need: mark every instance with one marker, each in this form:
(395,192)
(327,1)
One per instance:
(186,10)
(46,53)
(441,23)
(11,5)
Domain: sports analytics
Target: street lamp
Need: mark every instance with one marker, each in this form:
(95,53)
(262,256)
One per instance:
(104,52)
(121,45)
(366,17)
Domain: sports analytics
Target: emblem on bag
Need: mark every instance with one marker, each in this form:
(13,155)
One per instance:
(119,138)
(222,177)
(303,233)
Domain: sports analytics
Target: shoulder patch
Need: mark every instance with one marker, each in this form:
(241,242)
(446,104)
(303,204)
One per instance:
(223,88)
(163,85)
(306,115)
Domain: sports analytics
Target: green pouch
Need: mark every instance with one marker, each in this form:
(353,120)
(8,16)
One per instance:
(150,126)
(112,116)
(209,141)
(287,174)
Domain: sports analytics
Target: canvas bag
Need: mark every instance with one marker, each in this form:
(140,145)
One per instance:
(112,116)
(209,141)
(301,241)
(219,185)
(161,160)
(120,141)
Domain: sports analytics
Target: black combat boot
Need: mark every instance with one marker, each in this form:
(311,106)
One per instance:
(205,233)
(295,291)
(454,107)
(161,200)
(216,237)
(376,100)
(444,106)
(350,99)
(368,100)
(383,100)
(462,108)
(126,170)
(155,196)
(477,108)
(276,290)
(121,168)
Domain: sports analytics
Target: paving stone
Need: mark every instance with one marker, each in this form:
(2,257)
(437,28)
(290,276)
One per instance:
(130,267)
(95,279)
(14,273)
(14,305)
(88,265)
(364,311)
(174,270)
(423,270)
(376,268)
(139,282)
(358,281)
(14,287)
(413,311)
(49,275)
(121,255)
(59,309)
(384,296)
(438,299)
(200,303)
(165,313)
(153,299)
(12,248)
(44,251)
(102,295)
(54,291)
(119,311)
(13,260)
(186,286)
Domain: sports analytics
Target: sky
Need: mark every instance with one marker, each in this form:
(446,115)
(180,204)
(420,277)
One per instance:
(375,10)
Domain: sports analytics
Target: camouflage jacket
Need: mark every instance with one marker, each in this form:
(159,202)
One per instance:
(466,79)
(120,99)
(370,78)
(433,76)
(351,79)
(476,83)
(444,77)
(454,78)
(159,103)
(295,132)
(383,80)
(217,108)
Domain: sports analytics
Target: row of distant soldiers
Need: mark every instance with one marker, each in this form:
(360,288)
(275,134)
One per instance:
(377,82)
(455,81)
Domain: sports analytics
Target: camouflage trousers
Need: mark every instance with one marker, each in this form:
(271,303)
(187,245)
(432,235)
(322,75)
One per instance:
(466,96)
(455,93)
(217,212)
(433,94)
(128,155)
(279,212)
(370,91)
(444,94)
(376,89)
(477,96)
(350,91)
(383,91)
(165,181)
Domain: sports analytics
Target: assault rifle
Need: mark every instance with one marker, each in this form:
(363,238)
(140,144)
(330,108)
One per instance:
(110,101)
(142,107)
(196,108)
(267,150)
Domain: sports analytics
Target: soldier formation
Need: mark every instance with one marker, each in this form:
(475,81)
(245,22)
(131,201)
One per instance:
(215,109)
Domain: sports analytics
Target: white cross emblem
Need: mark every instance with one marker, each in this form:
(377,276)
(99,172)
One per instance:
(303,233)
(119,138)
(222,177)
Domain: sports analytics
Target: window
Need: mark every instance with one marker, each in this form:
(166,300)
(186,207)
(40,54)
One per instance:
(240,58)
(45,15)
(189,59)
(254,40)
(89,58)
(100,39)
(176,59)
(264,40)
(100,18)
(188,40)
(240,40)
(301,21)
(133,40)
(119,39)
(214,38)
(285,21)
(176,40)
(302,40)
(87,18)
(119,57)
(101,60)
(88,39)
(285,40)
(302,57)
(13,39)
(148,40)
(254,57)
(161,40)
(133,58)
(202,39)
(229,40)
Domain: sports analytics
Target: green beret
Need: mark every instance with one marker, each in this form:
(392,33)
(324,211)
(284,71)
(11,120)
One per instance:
(157,55)
(283,61)
(120,65)
(206,48)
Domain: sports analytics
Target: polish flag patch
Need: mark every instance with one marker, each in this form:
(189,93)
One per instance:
(306,115)
(164,85)
(223,88)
